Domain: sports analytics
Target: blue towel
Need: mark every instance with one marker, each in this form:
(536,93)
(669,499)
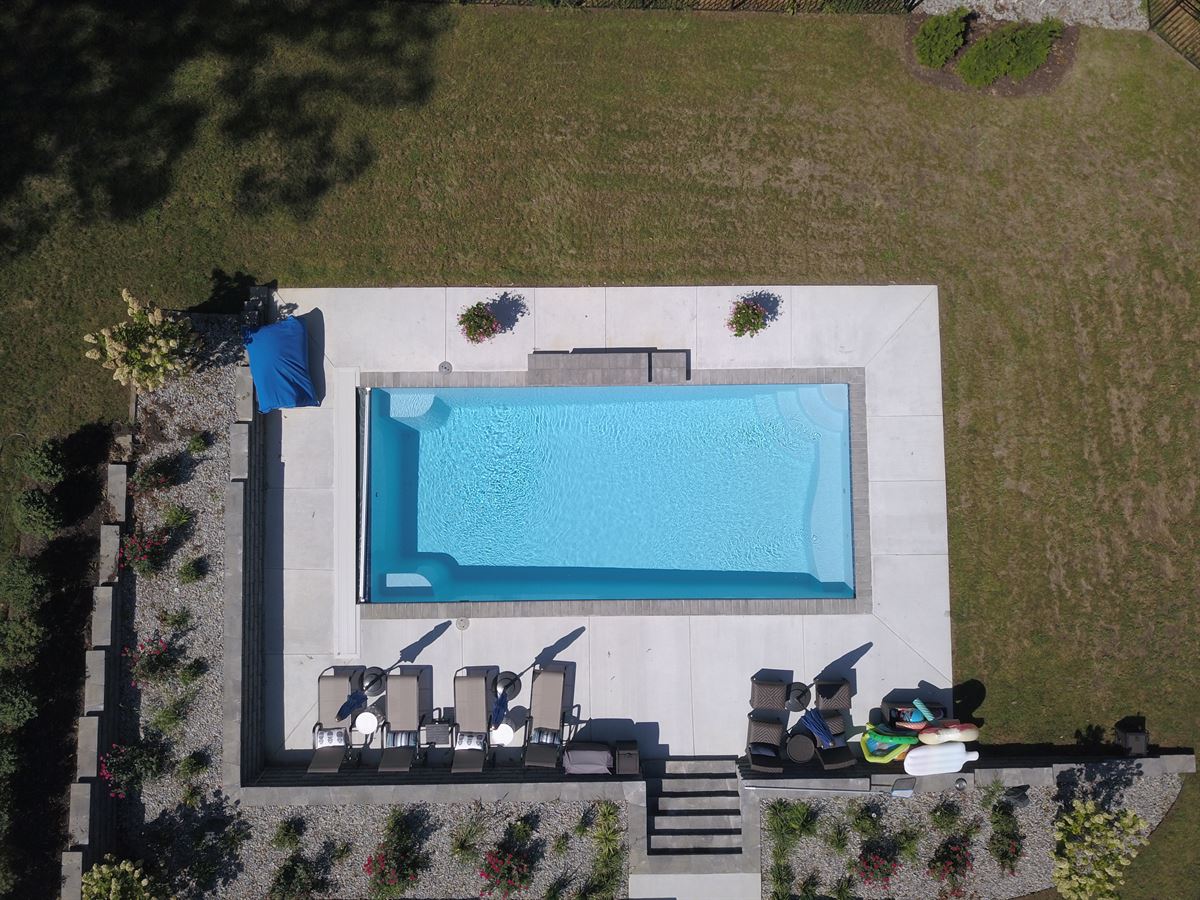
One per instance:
(500,709)
(815,723)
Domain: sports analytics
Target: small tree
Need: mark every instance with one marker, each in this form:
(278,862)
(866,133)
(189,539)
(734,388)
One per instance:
(145,350)
(1092,848)
(43,463)
(939,38)
(124,880)
(35,512)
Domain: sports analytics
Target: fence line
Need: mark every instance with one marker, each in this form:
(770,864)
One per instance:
(1178,23)
(885,7)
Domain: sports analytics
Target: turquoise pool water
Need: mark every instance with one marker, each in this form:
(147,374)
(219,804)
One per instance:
(731,491)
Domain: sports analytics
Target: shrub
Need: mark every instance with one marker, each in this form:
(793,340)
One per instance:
(464,839)
(143,551)
(152,661)
(1007,843)
(1016,50)
(21,640)
(177,619)
(43,463)
(945,816)
(939,38)
(125,767)
(193,765)
(952,860)
(504,873)
(296,876)
(866,819)
(747,317)
(874,866)
(17,705)
(192,671)
(124,880)
(562,843)
(177,516)
(22,589)
(146,349)
(398,860)
(10,758)
(287,834)
(1091,848)
(168,718)
(155,475)
(478,323)
(198,443)
(519,833)
(35,512)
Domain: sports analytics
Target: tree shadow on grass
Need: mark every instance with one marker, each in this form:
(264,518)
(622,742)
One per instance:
(96,123)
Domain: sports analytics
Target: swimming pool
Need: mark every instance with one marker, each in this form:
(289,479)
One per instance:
(595,493)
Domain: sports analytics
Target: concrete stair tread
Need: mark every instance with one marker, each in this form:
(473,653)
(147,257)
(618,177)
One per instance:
(724,765)
(698,785)
(696,842)
(698,803)
(702,822)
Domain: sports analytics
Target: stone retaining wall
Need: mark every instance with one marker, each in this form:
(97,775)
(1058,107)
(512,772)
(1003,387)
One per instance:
(91,823)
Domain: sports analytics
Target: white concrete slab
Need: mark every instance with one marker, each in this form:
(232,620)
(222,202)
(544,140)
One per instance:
(741,886)
(908,517)
(905,448)
(508,350)
(566,318)
(297,614)
(305,441)
(718,348)
(923,626)
(843,325)
(664,318)
(905,376)
(299,529)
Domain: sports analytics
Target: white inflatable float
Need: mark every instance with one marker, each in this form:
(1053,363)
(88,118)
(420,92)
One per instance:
(938,759)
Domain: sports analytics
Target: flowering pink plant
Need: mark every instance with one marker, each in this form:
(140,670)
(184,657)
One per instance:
(478,323)
(396,863)
(125,766)
(151,660)
(748,317)
(504,873)
(144,551)
(875,868)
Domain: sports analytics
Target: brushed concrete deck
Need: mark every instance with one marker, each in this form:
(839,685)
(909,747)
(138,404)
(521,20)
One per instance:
(679,683)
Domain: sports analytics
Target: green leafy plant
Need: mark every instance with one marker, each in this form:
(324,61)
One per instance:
(747,317)
(177,516)
(192,671)
(340,851)
(22,592)
(1092,848)
(198,443)
(837,837)
(126,767)
(562,843)
(952,861)
(145,552)
(398,860)
(120,880)
(939,37)
(193,765)
(1006,842)
(866,819)
(843,888)
(520,832)
(990,793)
(465,838)
(17,704)
(192,571)
(146,349)
(43,463)
(478,323)
(908,843)
(781,875)
(36,513)
(191,796)
(605,879)
(876,865)
(1016,50)
(159,473)
(557,889)
(945,816)
(177,619)
(288,833)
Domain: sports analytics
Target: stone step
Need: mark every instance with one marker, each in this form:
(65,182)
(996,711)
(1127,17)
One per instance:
(696,843)
(698,803)
(698,785)
(701,766)
(700,822)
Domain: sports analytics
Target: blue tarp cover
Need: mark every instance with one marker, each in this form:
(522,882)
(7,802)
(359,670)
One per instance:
(279,365)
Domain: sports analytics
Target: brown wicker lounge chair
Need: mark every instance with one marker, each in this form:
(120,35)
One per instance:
(764,745)
(401,731)
(334,686)
(471,712)
(543,732)
(767,693)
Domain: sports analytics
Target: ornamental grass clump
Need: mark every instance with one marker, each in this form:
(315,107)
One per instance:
(143,551)
(120,880)
(398,860)
(1092,848)
(155,475)
(939,38)
(478,323)
(146,349)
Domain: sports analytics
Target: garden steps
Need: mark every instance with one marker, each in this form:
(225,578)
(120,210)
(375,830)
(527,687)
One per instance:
(694,807)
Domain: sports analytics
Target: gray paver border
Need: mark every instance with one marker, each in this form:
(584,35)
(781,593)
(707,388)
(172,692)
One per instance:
(853,376)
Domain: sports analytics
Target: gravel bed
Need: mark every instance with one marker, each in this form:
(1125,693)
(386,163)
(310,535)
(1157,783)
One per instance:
(1151,797)
(198,844)
(1117,14)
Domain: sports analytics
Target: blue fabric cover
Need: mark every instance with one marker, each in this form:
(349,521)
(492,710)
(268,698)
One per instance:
(279,365)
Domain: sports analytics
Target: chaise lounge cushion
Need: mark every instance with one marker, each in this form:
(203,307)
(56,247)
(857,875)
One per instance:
(587,759)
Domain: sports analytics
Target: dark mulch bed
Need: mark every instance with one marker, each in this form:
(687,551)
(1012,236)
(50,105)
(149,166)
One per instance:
(1043,81)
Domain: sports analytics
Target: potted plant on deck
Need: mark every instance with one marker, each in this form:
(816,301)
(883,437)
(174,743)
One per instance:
(751,313)
(478,322)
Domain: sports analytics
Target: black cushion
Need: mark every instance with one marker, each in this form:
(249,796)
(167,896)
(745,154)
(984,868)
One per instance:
(764,750)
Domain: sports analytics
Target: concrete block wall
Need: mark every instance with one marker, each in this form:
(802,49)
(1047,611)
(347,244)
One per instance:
(92,814)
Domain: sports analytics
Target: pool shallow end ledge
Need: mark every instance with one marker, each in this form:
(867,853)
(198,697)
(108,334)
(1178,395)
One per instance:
(882,339)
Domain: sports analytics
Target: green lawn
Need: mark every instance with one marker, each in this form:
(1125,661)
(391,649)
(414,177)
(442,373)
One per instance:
(452,145)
